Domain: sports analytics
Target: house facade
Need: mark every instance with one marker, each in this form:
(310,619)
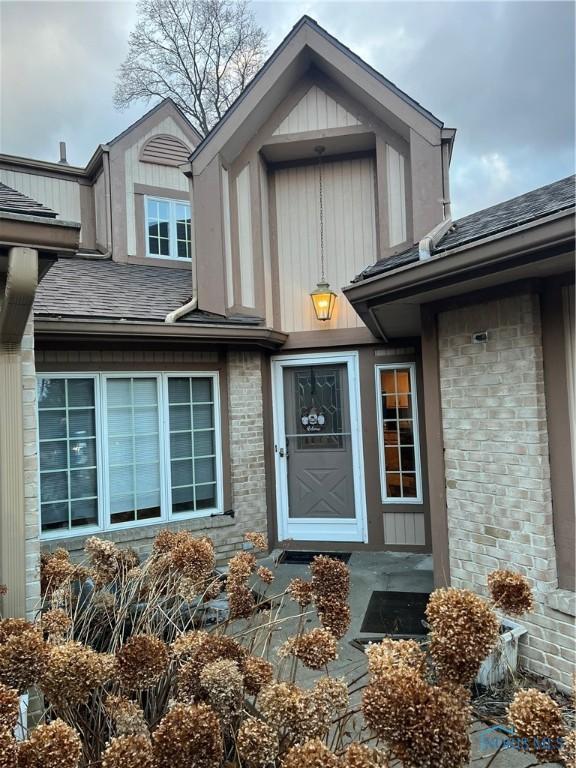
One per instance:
(184,379)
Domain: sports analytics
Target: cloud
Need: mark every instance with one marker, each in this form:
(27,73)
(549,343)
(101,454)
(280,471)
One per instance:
(502,73)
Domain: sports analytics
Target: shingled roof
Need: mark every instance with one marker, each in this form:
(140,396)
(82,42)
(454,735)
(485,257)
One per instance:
(497,219)
(98,289)
(12,201)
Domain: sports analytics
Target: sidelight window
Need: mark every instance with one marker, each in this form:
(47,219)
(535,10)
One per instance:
(400,467)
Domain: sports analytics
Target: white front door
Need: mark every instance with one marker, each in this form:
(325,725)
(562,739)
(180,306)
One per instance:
(318,448)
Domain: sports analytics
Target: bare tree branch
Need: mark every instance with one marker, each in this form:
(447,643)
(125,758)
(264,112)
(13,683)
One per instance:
(200,53)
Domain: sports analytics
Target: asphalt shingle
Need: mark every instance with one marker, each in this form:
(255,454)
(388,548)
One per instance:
(107,290)
(12,201)
(502,217)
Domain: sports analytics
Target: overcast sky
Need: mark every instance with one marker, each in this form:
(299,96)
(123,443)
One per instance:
(502,73)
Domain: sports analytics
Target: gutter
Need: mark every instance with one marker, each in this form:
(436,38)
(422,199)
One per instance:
(460,262)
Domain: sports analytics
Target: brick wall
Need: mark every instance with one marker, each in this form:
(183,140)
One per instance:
(497,470)
(248,482)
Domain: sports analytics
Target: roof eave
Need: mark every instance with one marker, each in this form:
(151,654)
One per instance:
(459,263)
(116,330)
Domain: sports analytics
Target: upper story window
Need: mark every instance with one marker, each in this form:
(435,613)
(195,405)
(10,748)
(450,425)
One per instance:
(168,228)
(400,469)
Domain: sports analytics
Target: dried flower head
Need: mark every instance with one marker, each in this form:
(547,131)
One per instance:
(142,661)
(213,589)
(331,692)
(511,592)
(212,648)
(222,681)
(54,745)
(265,575)
(311,754)
(9,707)
(55,623)
(257,743)
(188,643)
(538,719)
(13,627)
(300,591)
(464,630)
(241,599)
(330,578)
(56,570)
(257,673)
(241,566)
(193,558)
(128,752)
(362,756)
(105,559)
(314,649)
(568,751)
(334,615)
(281,705)
(423,725)
(72,672)
(3,590)
(127,716)
(258,540)
(8,749)
(188,737)
(23,658)
(389,654)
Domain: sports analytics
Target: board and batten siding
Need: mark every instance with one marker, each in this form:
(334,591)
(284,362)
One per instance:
(163,176)
(61,195)
(227,227)
(245,245)
(396,196)
(404,528)
(316,111)
(349,237)
(101,212)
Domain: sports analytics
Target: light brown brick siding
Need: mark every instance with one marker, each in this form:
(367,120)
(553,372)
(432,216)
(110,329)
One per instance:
(497,469)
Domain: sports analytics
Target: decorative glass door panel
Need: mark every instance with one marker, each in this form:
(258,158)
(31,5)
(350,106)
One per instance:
(320,469)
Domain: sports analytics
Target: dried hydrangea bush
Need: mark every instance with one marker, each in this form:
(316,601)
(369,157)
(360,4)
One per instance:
(139,668)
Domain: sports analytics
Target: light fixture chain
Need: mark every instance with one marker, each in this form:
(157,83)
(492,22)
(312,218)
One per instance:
(322,269)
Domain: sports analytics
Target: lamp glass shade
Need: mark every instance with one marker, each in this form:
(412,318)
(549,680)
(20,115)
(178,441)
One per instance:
(324,301)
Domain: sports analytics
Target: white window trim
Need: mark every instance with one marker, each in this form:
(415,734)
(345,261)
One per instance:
(380,416)
(102,487)
(173,245)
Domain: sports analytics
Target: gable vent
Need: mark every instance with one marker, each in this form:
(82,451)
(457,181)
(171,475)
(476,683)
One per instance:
(164,149)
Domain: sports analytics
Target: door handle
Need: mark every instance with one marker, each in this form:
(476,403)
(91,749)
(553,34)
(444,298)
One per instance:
(281,453)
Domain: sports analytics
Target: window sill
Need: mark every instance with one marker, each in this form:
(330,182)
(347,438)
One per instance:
(563,601)
(139,533)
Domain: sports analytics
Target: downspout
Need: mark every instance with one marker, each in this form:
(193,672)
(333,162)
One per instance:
(431,240)
(21,283)
(190,306)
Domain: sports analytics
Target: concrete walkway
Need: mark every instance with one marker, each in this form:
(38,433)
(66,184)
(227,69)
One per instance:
(394,571)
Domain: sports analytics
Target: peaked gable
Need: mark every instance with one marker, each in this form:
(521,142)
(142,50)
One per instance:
(316,111)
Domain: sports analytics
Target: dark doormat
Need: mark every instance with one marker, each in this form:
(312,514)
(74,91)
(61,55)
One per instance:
(396,613)
(303,558)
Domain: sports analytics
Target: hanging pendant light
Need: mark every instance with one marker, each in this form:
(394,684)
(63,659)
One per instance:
(323,298)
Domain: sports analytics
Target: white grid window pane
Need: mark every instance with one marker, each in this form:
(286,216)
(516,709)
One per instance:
(134,479)
(168,228)
(67,446)
(401,464)
(192,443)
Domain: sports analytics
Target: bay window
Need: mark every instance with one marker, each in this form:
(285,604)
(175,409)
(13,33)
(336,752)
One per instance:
(397,409)
(122,450)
